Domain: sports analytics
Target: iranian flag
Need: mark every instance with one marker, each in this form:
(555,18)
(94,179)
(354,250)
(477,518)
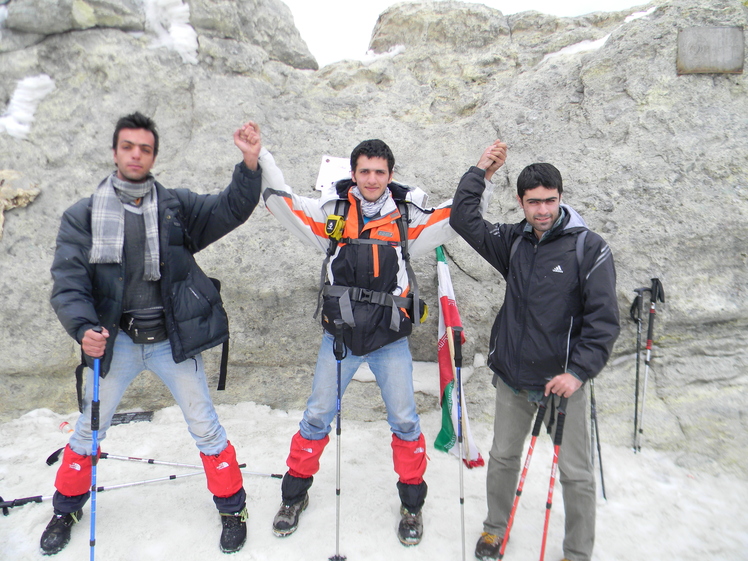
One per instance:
(449,317)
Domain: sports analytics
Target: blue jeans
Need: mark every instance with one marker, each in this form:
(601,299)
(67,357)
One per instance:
(186,382)
(392,366)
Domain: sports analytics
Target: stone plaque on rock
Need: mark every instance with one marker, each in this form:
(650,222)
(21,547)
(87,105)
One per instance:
(709,50)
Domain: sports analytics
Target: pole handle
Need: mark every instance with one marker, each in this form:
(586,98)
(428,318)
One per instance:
(658,292)
(95,416)
(338,347)
(542,406)
(560,420)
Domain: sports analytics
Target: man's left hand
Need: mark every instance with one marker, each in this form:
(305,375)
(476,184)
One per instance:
(564,385)
(249,141)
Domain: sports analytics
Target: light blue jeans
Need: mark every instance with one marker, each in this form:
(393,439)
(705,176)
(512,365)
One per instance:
(392,366)
(186,382)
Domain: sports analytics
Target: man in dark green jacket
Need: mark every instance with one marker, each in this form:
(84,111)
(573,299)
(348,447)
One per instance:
(555,331)
(128,289)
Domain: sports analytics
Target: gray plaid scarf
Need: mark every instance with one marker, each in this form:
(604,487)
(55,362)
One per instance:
(108,222)
(370,208)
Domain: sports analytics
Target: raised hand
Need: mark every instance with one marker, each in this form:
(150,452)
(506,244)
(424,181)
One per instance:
(493,158)
(248,139)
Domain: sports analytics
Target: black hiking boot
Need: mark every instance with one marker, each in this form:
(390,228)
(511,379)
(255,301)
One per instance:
(410,530)
(234,532)
(57,533)
(487,548)
(287,518)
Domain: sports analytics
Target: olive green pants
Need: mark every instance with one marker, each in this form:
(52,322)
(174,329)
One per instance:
(513,422)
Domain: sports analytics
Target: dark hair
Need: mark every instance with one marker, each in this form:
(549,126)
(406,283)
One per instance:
(539,175)
(136,121)
(373,148)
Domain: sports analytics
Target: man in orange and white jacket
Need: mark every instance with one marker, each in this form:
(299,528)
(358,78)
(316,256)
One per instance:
(367,282)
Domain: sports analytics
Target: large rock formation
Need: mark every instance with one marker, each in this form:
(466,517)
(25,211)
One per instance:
(655,162)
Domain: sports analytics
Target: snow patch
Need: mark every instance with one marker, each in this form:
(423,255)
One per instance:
(637,15)
(371,56)
(19,115)
(170,21)
(581,47)
(3,17)
(586,46)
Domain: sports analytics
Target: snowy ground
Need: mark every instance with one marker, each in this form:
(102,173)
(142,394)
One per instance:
(655,509)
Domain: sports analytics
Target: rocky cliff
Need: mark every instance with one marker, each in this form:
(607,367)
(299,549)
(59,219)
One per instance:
(655,162)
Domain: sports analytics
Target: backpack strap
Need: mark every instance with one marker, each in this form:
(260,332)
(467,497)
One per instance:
(223,371)
(580,257)
(79,380)
(402,223)
(347,293)
(515,245)
(334,229)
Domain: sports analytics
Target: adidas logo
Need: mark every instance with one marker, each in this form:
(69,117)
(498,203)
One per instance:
(222,465)
(76,467)
(558,269)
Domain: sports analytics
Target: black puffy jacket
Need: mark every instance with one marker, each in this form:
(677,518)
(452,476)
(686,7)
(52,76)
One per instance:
(555,317)
(86,295)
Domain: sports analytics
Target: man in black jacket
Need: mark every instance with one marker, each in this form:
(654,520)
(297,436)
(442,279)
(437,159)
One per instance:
(128,289)
(554,332)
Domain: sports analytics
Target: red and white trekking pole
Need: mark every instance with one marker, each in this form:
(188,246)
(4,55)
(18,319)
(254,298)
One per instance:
(657,293)
(556,447)
(636,316)
(542,406)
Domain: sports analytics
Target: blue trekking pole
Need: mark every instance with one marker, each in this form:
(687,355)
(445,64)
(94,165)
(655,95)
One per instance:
(340,353)
(94,445)
(457,342)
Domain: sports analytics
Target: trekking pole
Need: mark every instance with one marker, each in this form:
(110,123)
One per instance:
(656,293)
(340,352)
(636,316)
(556,447)
(94,446)
(107,456)
(593,417)
(457,342)
(542,406)
(5,505)
(146,481)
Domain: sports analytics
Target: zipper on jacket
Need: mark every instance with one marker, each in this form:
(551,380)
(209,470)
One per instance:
(523,309)
(568,344)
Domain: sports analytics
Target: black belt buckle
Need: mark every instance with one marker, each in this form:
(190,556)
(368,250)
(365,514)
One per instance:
(365,295)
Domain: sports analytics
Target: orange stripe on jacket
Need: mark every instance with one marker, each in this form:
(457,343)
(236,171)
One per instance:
(317,228)
(437,216)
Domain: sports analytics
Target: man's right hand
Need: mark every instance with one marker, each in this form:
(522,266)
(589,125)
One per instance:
(492,158)
(94,343)
(249,141)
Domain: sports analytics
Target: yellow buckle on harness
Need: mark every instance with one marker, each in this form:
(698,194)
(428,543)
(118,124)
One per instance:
(334,226)
(425,313)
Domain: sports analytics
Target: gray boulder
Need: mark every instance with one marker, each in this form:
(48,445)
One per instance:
(653,160)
